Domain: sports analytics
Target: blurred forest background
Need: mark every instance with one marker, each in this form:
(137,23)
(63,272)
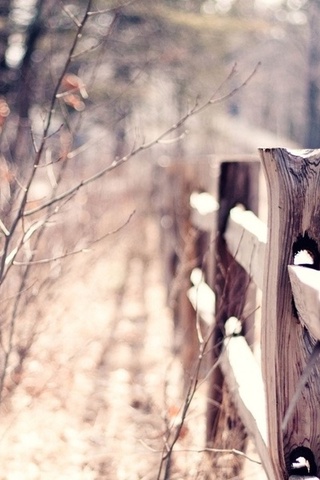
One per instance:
(173,50)
(145,63)
(97,99)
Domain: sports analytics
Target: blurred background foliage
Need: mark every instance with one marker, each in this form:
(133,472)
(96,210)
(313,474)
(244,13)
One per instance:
(144,63)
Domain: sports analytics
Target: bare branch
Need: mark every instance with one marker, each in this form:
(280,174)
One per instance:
(75,252)
(236,89)
(144,146)
(86,51)
(71,15)
(112,9)
(232,451)
(47,125)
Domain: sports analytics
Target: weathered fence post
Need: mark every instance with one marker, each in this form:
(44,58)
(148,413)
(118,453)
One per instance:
(238,184)
(293,180)
(179,246)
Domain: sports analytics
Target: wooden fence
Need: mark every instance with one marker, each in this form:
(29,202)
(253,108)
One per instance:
(278,403)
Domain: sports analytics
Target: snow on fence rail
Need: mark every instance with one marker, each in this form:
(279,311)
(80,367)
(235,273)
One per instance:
(290,333)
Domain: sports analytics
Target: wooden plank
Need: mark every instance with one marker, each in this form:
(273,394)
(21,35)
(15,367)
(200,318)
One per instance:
(244,379)
(246,237)
(293,181)
(305,283)
(202,297)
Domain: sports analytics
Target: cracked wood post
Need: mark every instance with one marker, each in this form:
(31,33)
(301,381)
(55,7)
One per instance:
(293,180)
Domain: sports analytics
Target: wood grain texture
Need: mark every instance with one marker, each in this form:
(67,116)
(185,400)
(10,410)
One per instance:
(294,211)
(305,284)
(246,237)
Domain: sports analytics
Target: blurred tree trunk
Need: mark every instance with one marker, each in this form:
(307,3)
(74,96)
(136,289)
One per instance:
(4,33)
(313,83)
(25,88)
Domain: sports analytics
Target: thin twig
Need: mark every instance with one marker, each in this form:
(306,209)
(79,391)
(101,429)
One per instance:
(47,125)
(75,252)
(70,15)
(19,218)
(145,146)
(112,9)
(233,451)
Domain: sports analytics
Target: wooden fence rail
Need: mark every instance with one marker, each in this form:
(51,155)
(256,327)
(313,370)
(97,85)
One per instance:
(280,412)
